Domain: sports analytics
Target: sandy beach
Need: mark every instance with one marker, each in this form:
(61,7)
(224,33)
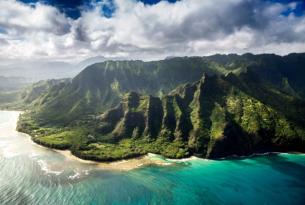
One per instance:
(121,165)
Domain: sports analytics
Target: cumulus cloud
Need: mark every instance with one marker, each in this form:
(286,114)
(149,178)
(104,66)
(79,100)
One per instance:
(139,31)
(18,18)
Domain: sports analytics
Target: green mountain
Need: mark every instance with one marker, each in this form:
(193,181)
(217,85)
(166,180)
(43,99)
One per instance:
(25,95)
(210,118)
(101,86)
(212,107)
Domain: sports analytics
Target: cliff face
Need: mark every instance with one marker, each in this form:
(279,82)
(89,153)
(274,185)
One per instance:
(212,118)
(101,86)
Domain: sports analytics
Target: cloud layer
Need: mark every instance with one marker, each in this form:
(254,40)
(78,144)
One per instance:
(139,31)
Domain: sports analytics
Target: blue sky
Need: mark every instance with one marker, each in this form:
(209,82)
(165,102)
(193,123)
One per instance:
(72,30)
(73,8)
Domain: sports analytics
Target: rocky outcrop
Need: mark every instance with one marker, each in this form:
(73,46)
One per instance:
(213,118)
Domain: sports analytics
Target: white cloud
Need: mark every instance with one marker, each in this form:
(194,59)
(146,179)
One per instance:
(17,17)
(138,31)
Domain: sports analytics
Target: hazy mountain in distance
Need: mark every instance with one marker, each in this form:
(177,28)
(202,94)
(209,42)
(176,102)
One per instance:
(42,70)
(10,87)
(89,61)
(11,83)
(38,70)
(93,60)
(19,93)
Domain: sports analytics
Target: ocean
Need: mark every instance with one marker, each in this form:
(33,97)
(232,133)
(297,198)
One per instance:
(31,174)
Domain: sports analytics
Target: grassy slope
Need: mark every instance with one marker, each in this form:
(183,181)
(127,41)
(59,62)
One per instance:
(259,106)
(26,96)
(214,117)
(101,86)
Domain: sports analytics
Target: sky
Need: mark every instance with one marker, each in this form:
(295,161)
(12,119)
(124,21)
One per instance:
(73,30)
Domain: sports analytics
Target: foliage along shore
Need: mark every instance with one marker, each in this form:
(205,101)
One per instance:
(128,157)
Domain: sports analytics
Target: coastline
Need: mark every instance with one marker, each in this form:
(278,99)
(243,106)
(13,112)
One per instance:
(146,160)
(149,159)
(121,165)
(132,163)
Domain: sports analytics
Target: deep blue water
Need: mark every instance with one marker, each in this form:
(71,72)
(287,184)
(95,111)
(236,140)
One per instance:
(30,174)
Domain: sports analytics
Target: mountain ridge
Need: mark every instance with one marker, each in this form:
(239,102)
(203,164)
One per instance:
(211,107)
(114,78)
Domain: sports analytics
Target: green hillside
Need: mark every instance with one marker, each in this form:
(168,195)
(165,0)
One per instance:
(212,107)
(24,97)
(101,86)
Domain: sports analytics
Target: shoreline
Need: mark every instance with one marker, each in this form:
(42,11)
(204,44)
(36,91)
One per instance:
(121,165)
(133,163)
(146,160)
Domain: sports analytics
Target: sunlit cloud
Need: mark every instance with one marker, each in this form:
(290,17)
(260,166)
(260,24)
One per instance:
(135,30)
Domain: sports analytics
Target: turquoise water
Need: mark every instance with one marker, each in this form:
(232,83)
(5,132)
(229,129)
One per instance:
(30,174)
